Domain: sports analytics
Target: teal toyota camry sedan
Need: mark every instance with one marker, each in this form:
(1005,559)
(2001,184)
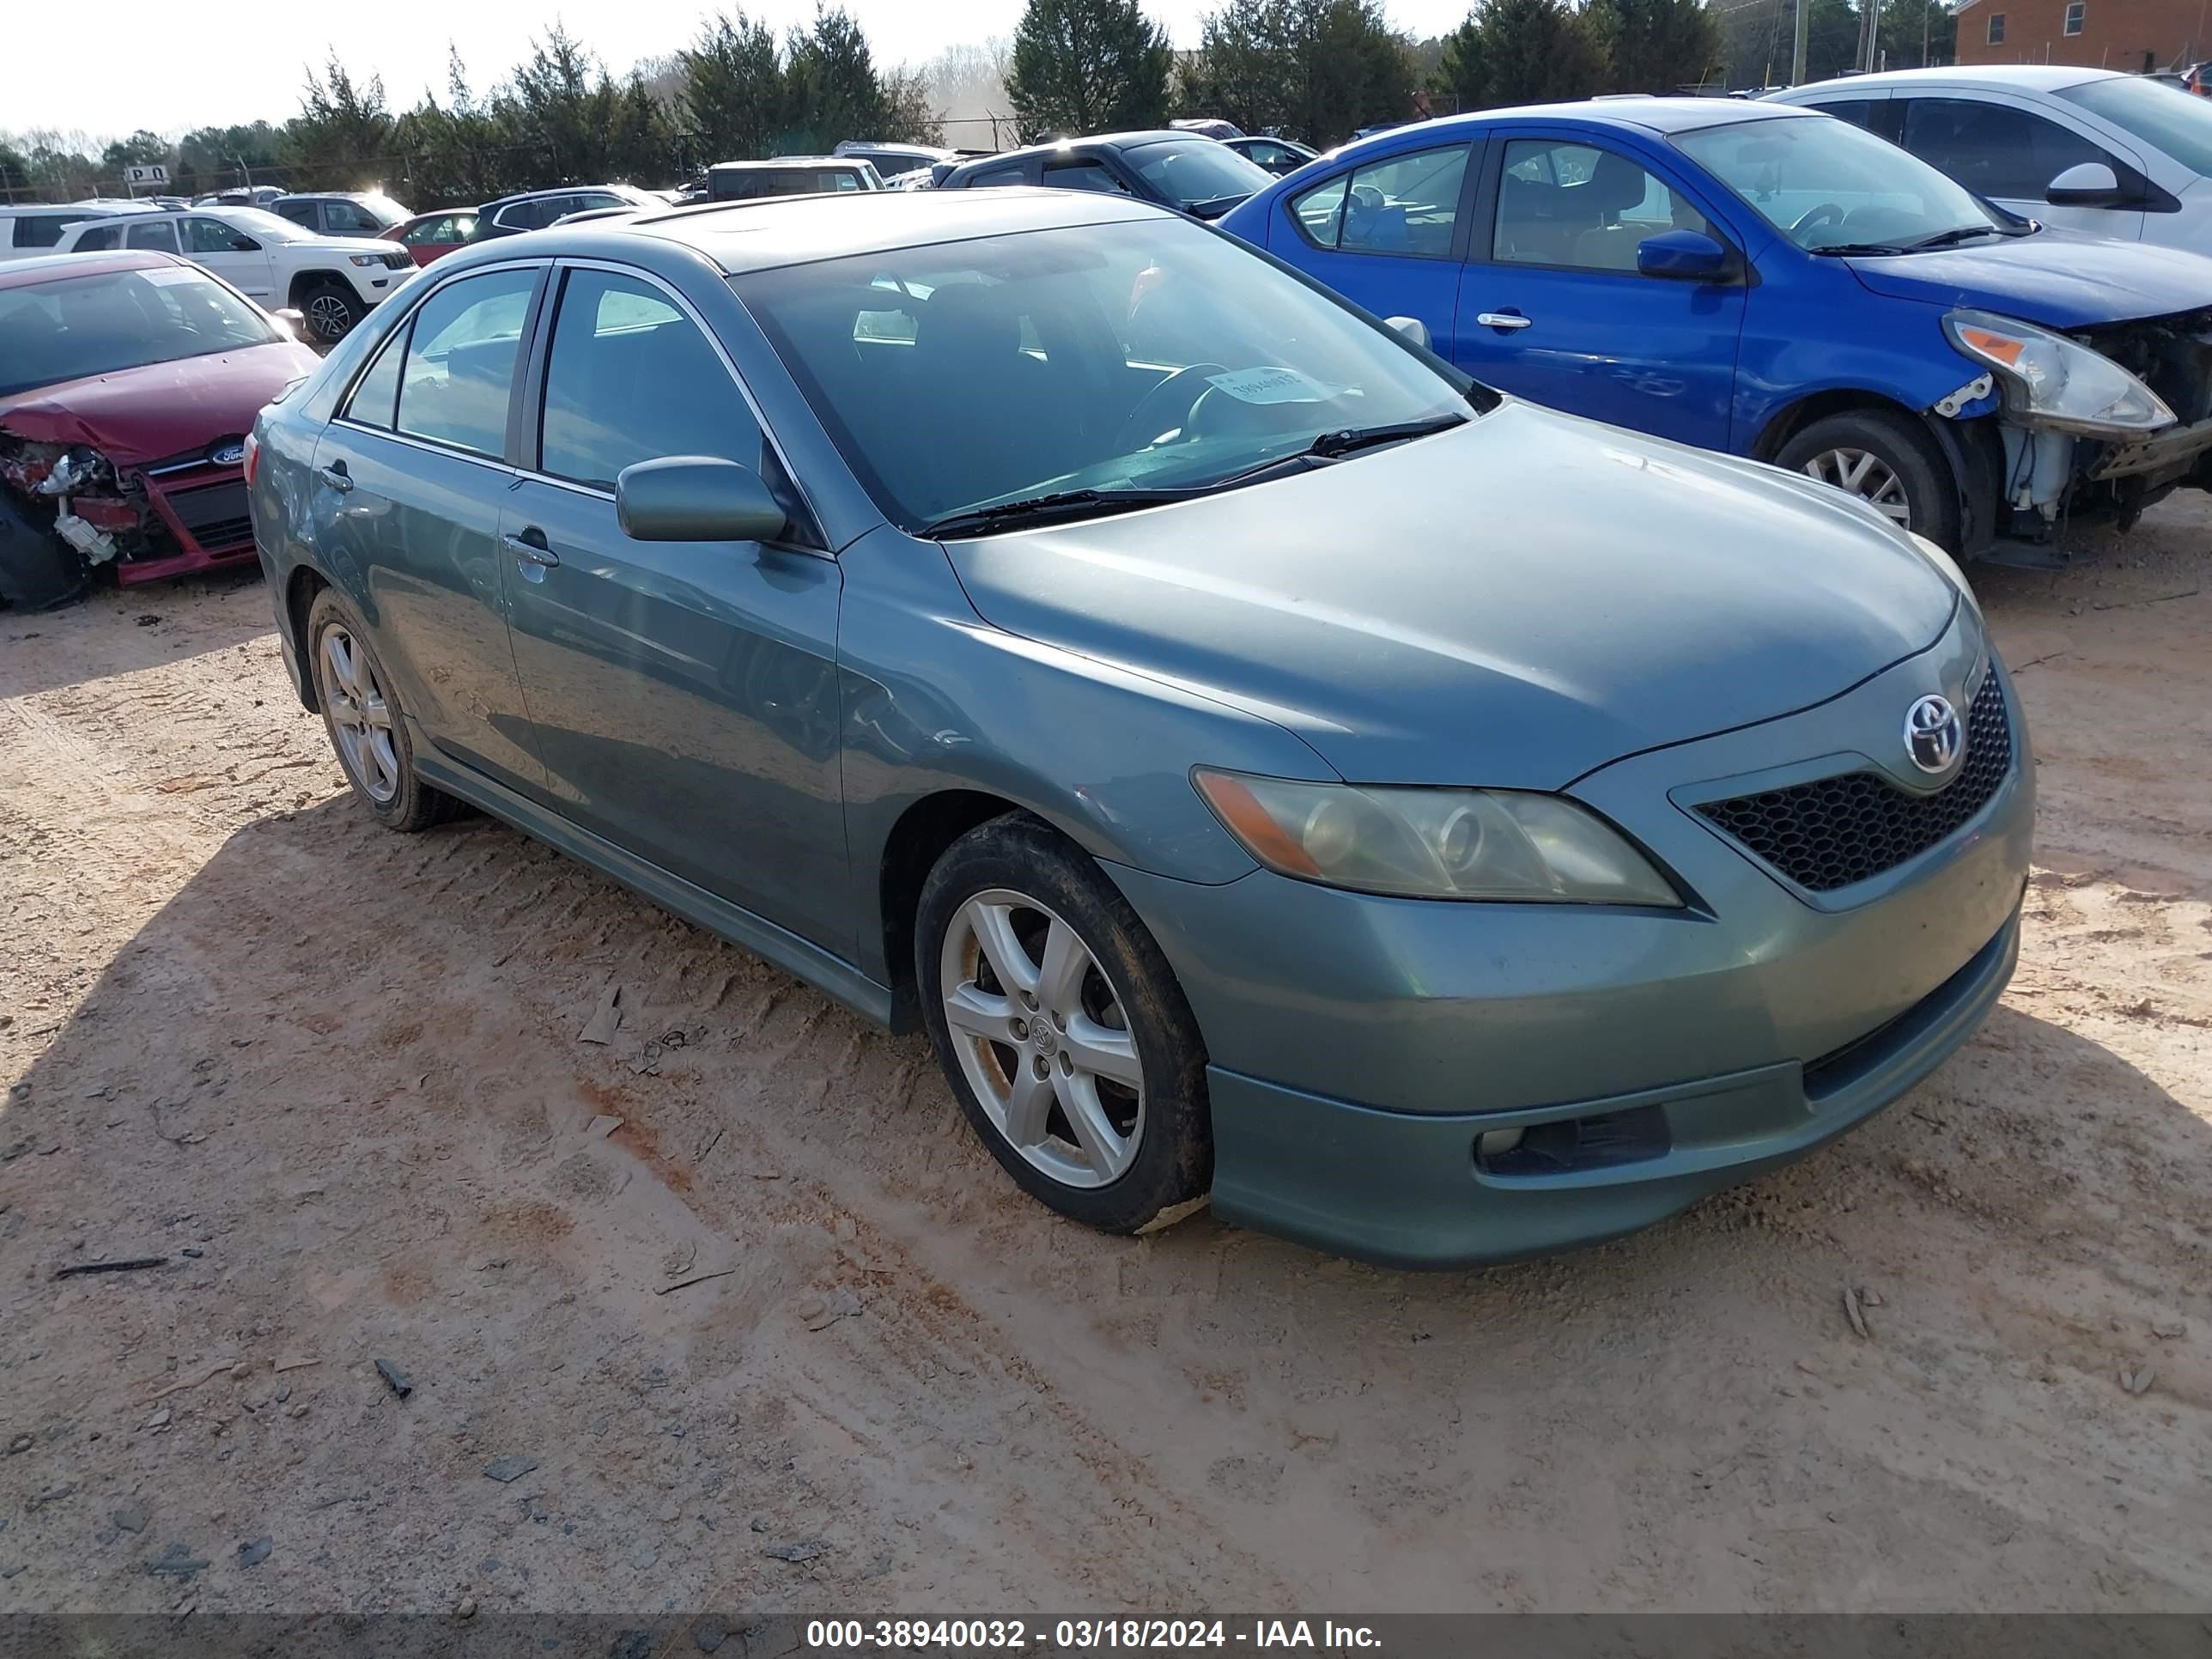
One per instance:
(1270,765)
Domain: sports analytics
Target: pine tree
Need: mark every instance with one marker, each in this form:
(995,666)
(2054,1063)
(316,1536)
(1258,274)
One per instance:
(1523,52)
(1088,66)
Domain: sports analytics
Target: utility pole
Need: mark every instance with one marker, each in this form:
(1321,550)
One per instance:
(1798,57)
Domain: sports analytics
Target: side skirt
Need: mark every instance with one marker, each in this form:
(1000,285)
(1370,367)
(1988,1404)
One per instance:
(818,967)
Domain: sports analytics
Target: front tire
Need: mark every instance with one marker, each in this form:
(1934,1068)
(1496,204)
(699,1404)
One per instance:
(1884,461)
(332,309)
(367,726)
(1061,1028)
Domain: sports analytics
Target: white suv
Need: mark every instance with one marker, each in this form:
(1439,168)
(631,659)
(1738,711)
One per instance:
(333,281)
(2087,149)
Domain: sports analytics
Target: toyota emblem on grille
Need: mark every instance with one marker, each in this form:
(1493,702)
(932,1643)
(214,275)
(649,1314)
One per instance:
(1933,735)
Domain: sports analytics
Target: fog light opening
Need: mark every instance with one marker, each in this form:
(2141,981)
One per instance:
(1496,1143)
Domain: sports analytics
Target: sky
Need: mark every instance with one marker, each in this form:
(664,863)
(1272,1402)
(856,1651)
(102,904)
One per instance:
(157,71)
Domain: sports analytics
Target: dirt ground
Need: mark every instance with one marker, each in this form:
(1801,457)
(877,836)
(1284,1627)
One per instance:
(334,1076)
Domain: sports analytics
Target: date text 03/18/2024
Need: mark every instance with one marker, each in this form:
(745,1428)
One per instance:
(1086,1635)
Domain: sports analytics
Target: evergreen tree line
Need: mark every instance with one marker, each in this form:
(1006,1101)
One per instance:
(1314,69)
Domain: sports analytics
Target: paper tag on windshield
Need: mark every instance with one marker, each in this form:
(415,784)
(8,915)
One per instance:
(1271,385)
(166,276)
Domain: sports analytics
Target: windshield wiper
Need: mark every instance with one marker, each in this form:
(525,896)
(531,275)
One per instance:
(1330,445)
(1846,249)
(1951,237)
(1045,509)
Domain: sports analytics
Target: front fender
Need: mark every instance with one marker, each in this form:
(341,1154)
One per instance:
(1827,333)
(933,698)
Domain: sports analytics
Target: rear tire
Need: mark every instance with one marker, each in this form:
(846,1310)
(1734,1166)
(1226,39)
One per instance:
(1884,460)
(1061,1028)
(367,725)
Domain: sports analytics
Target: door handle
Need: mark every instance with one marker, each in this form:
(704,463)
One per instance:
(1507,320)
(530,547)
(335,476)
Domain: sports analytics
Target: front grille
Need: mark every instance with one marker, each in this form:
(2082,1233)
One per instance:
(215,516)
(1834,831)
(398,261)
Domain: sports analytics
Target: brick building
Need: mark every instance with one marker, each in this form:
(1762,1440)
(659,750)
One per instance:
(2120,34)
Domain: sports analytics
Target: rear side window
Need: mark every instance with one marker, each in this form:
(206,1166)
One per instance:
(41,229)
(97,237)
(1089,175)
(631,379)
(1996,149)
(994,176)
(459,371)
(376,394)
(1859,111)
(1408,204)
(162,236)
(300,212)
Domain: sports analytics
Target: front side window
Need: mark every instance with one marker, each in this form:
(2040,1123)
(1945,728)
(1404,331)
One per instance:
(161,235)
(212,236)
(346,219)
(631,379)
(1105,356)
(1995,150)
(1829,184)
(1086,174)
(459,370)
(82,325)
(1582,208)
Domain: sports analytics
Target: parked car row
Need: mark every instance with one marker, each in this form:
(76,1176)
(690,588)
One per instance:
(1271,765)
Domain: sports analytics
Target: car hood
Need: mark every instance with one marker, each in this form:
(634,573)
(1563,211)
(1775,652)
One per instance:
(1511,603)
(349,245)
(135,415)
(2058,278)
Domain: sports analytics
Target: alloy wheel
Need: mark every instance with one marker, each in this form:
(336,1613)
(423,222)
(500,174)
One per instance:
(360,718)
(1866,474)
(329,316)
(1042,1038)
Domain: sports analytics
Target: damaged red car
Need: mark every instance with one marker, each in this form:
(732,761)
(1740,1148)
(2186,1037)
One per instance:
(128,383)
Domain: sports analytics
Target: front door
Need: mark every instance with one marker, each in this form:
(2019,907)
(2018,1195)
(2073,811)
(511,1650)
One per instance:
(1389,235)
(409,484)
(683,695)
(1553,309)
(238,258)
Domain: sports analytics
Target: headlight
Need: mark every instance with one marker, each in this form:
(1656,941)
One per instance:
(1434,843)
(2049,380)
(366,258)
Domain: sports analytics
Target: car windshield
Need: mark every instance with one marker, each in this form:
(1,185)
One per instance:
(1824,183)
(78,326)
(382,208)
(1101,358)
(2182,126)
(1189,171)
(265,225)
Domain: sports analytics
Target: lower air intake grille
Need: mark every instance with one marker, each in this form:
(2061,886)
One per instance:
(1834,831)
(215,515)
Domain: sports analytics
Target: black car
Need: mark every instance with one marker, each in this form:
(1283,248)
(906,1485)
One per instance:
(1191,174)
(1278,156)
(534,210)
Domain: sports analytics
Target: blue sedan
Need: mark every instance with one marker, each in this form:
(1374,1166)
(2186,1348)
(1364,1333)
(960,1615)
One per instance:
(1749,280)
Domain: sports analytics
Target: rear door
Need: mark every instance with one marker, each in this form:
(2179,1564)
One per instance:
(2008,151)
(1552,308)
(1390,234)
(683,695)
(409,482)
(238,258)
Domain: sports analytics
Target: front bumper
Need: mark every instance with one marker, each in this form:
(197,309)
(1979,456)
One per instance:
(1361,1044)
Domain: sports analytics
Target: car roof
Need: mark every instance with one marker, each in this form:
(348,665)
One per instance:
(1094,141)
(794,162)
(2034,77)
(54,267)
(793,230)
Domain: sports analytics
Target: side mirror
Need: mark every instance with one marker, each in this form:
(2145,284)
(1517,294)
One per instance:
(695,498)
(294,323)
(1412,327)
(2086,184)
(1687,256)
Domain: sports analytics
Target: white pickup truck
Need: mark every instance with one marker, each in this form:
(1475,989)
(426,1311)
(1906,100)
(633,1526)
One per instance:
(333,281)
